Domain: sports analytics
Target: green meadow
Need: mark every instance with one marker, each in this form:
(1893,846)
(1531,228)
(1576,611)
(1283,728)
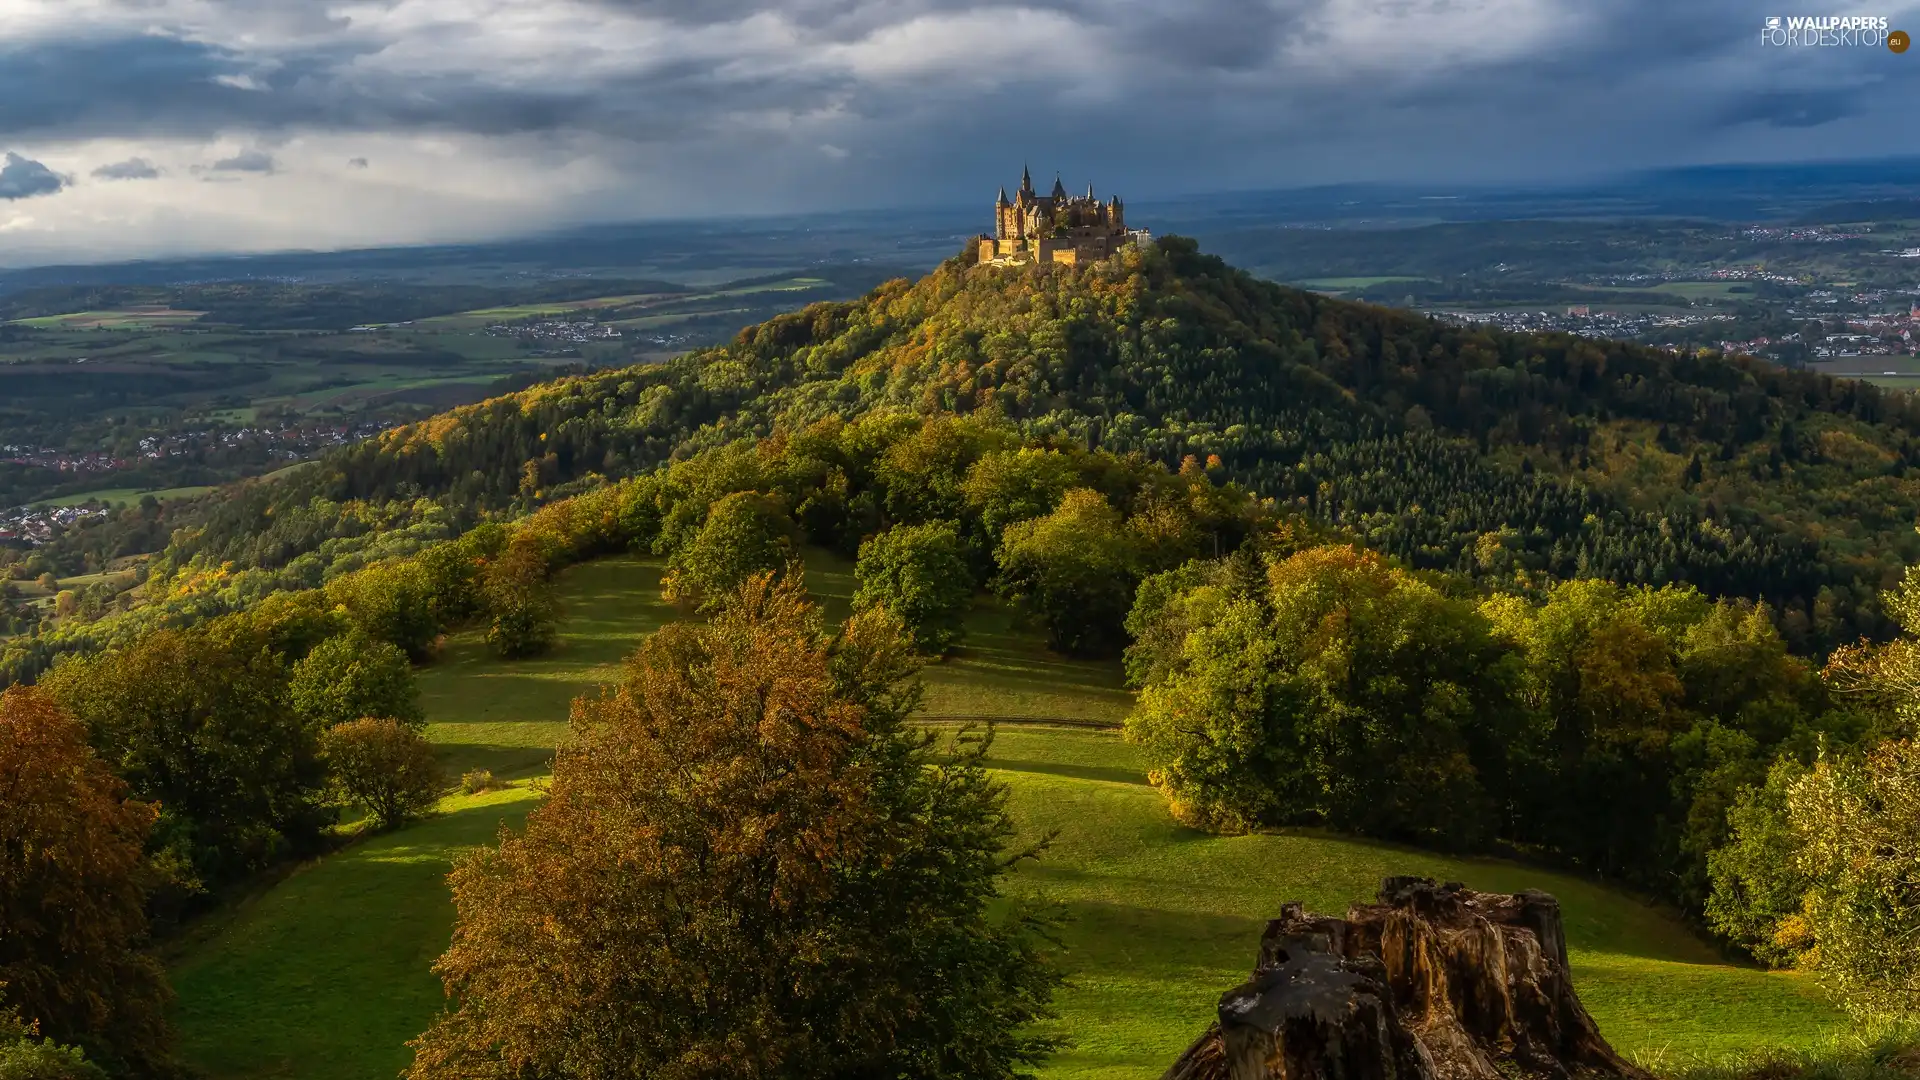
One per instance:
(326,975)
(145,318)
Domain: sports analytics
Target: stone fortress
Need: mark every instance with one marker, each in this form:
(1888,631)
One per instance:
(1054,228)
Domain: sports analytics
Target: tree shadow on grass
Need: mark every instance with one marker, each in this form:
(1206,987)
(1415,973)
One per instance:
(328,975)
(504,762)
(1055,768)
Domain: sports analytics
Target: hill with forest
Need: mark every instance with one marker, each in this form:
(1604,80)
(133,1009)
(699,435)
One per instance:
(1328,567)
(1523,458)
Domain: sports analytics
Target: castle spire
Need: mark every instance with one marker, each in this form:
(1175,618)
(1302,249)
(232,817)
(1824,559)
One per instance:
(1026,179)
(1090,197)
(1003,197)
(1059,189)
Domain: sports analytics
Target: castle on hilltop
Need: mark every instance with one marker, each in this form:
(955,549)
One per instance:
(1055,228)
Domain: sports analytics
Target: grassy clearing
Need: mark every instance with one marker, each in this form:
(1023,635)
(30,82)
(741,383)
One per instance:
(325,976)
(125,496)
(1164,919)
(508,716)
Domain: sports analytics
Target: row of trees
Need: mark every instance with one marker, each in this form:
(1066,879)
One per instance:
(1823,857)
(1646,734)
(1606,725)
(142,782)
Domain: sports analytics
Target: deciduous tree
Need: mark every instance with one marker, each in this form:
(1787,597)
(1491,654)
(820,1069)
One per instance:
(383,767)
(72,898)
(920,574)
(518,600)
(205,730)
(1074,571)
(745,533)
(747,867)
(353,675)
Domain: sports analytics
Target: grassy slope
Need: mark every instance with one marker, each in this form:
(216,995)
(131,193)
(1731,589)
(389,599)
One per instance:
(325,976)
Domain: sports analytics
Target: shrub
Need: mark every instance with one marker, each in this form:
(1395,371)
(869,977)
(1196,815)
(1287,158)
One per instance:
(920,574)
(26,1056)
(475,781)
(385,768)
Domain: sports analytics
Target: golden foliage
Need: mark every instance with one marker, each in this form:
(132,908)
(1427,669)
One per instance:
(72,895)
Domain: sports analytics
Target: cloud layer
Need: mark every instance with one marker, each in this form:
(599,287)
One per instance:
(585,109)
(22,178)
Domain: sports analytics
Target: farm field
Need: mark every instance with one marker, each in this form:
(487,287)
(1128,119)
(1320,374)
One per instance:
(326,975)
(1348,284)
(137,318)
(124,496)
(638,309)
(1892,372)
(193,360)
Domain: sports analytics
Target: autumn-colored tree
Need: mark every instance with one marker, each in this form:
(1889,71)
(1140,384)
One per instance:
(353,675)
(1858,826)
(518,599)
(747,866)
(72,898)
(384,767)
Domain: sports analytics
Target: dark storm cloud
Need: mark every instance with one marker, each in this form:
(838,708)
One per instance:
(1233,90)
(130,169)
(23,178)
(119,87)
(1797,108)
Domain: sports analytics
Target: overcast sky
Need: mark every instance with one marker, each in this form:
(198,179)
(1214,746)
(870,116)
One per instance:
(138,127)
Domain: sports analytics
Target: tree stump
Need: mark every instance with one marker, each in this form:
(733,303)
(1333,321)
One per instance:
(1433,982)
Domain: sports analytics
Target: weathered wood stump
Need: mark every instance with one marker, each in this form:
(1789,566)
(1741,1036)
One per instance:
(1433,982)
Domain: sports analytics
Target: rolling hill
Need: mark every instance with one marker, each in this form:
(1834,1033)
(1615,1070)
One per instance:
(1452,448)
(326,975)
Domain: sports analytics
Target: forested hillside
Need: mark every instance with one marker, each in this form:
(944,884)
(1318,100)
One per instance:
(1545,456)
